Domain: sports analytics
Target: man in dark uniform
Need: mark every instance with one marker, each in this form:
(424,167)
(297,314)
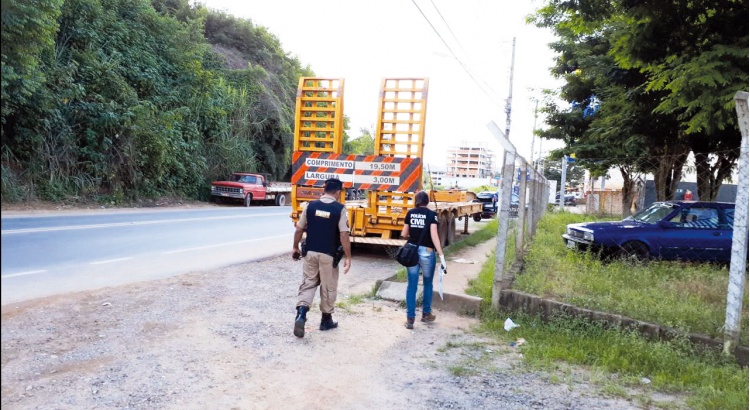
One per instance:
(327,227)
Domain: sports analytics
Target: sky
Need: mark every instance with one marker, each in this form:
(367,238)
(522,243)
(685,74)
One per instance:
(465,48)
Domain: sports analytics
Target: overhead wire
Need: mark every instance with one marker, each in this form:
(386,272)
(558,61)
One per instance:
(461,63)
(461,47)
(447,25)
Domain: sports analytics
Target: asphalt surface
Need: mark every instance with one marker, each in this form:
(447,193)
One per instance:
(53,254)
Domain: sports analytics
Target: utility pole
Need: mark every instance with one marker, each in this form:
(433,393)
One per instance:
(510,91)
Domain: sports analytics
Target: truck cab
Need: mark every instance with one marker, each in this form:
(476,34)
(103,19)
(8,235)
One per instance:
(242,186)
(248,187)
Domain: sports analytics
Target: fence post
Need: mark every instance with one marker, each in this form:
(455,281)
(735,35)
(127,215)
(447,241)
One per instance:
(532,202)
(504,214)
(542,199)
(521,217)
(737,265)
(562,181)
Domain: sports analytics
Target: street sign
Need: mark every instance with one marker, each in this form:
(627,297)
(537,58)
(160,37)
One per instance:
(382,173)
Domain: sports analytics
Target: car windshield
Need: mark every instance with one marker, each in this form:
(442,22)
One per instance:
(654,213)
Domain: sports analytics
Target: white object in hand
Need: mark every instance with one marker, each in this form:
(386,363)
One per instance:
(510,325)
(443,265)
(440,283)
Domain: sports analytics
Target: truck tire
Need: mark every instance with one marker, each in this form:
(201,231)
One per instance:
(477,217)
(451,230)
(280,199)
(248,200)
(443,230)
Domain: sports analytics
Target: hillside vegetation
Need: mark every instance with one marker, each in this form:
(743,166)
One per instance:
(129,99)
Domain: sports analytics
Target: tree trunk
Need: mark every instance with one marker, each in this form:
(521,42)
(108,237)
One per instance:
(668,172)
(711,177)
(628,184)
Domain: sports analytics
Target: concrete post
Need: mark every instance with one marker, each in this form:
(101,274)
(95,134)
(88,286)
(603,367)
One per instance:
(499,281)
(521,219)
(533,181)
(562,181)
(738,263)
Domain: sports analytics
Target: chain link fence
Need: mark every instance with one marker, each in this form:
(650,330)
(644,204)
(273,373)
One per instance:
(517,224)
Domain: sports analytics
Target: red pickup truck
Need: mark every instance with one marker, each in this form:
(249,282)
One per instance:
(249,187)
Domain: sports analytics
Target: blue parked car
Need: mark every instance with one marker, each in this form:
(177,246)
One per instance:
(671,230)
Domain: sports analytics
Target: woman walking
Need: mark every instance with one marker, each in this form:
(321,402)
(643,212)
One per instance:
(417,221)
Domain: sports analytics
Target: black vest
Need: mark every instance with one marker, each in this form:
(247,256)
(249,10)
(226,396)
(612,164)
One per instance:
(323,226)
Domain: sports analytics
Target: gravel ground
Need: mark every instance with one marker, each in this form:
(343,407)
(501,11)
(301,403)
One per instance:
(222,339)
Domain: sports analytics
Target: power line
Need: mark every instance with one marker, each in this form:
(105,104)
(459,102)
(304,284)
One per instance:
(454,55)
(448,26)
(461,47)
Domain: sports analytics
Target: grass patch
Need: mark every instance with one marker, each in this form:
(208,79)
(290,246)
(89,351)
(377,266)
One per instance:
(346,303)
(712,380)
(690,297)
(461,370)
(484,233)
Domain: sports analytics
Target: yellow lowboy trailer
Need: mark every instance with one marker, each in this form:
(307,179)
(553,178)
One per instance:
(390,177)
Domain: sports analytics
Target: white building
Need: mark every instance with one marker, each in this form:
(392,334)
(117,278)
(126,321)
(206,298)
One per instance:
(470,160)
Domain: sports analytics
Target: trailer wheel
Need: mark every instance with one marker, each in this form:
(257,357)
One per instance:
(280,199)
(451,230)
(443,230)
(248,200)
(477,217)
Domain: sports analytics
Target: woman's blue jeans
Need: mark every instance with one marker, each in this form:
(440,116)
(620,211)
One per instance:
(427,260)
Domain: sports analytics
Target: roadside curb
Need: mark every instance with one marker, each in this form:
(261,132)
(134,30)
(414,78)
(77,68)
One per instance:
(458,303)
(544,308)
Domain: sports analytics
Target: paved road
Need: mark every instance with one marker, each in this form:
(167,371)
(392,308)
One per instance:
(47,255)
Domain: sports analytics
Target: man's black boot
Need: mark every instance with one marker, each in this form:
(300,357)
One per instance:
(327,323)
(299,321)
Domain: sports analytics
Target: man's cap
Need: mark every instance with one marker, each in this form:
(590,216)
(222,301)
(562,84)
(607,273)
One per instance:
(333,184)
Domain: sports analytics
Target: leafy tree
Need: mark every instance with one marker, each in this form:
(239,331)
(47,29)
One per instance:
(666,77)
(698,53)
(608,121)
(362,145)
(124,98)
(28,29)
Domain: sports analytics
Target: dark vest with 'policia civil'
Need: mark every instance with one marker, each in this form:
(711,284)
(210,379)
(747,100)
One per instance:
(323,226)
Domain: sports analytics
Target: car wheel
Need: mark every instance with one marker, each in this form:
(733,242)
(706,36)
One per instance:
(477,217)
(633,251)
(248,200)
